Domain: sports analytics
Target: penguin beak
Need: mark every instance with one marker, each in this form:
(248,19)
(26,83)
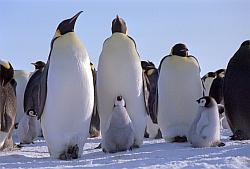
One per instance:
(198,101)
(67,25)
(33,64)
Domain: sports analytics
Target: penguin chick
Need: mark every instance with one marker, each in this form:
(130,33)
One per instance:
(119,135)
(28,129)
(205,129)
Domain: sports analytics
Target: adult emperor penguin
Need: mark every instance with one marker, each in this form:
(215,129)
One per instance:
(237,92)
(21,77)
(205,129)
(207,81)
(179,85)
(216,89)
(119,132)
(120,73)
(7,105)
(69,100)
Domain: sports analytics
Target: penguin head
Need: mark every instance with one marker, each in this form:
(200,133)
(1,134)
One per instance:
(245,43)
(221,72)
(38,65)
(119,102)
(6,72)
(205,101)
(66,26)
(180,49)
(119,25)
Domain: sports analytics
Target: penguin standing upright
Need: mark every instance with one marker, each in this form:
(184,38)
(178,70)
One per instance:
(179,85)
(66,94)
(216,89)
(7,105)
(207,81)
(120,73)
(236,92)
(205,129)
(21,77)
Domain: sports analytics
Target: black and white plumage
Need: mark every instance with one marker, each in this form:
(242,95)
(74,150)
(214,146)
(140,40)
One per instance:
(119,132)
(237,92)
(205,129)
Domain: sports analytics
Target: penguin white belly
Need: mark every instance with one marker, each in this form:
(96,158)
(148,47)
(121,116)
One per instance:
(152,128)
(70,99)
(179,87)
(207,84)
(120,73)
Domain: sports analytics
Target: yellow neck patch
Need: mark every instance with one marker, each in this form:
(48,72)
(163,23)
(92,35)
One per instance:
(5,64)
(150,72)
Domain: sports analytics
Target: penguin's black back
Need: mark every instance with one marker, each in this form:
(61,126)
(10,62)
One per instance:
(237,92)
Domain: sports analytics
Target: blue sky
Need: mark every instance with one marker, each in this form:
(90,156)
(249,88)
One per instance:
(213,30)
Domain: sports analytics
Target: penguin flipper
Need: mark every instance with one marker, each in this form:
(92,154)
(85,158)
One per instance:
(202,123)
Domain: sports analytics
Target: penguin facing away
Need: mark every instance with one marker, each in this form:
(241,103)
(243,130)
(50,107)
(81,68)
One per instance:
(119,132)
(68,103)
(179,85)
(216,89)
(7,105)
(120,73)
(205,129)
(236,92)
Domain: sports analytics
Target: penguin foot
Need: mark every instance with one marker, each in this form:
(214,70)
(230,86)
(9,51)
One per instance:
(238,135)
(72,153)
(159,135)
(99,146)
(221,144)
(180,139)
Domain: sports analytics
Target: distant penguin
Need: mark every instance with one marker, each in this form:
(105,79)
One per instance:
(216,90)
(31,104)
(119,132)
(69,99)
(151,80)
(237,92)
(21,77)
(94,129)
(179,85)
(207,81)
(7,105)
(205,129)
(120,73)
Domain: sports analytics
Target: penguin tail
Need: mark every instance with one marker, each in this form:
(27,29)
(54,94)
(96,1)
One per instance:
(70,153)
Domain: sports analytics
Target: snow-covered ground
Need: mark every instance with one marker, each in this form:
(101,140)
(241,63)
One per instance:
(152,154)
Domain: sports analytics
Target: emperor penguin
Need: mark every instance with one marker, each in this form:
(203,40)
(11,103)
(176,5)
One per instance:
(207,81)
(7,105)
(120,73)
(179,85)
(205,129)
(119,132)
(236,92)
(67,94)
(216,89)
(151,78)
(21,77)
(94,128)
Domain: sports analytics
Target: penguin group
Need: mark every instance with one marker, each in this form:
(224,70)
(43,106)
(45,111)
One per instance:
(66,100)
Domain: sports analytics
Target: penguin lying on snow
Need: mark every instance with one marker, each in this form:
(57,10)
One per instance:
(179,85)
(119,58)
(119,132)
(7,105)
(205,129)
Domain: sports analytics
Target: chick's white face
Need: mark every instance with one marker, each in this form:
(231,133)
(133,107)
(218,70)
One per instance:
(202,102)
(120,103)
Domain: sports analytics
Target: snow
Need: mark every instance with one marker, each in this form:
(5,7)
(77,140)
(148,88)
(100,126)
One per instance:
(153,154)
